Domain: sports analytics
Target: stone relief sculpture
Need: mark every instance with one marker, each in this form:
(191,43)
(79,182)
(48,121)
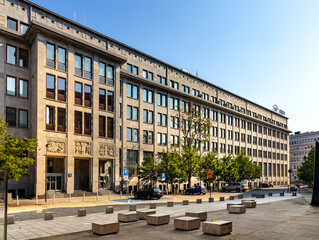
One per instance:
(82,148)
(106,150)
(55,146)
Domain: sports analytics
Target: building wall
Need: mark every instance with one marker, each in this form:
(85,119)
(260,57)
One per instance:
(48,27)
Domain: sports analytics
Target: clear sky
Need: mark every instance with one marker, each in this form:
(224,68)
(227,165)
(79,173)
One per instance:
(266,51)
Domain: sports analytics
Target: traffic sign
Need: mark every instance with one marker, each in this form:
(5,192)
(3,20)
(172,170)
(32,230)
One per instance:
(209,174)
(290,171)
(125,174)
(163,176)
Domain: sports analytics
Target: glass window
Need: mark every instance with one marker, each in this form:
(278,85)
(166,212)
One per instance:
(110,127)
(102,99)
(87,95)
(11,54)
(23,118)
(129,112)
(164,120)
(78,65)
(135,113)
(129,90)
(150,96)
(144,73)
(13,24)
(61,89)
(135,70)
(150,116)
(135,92)
(159,79)
(150,137)
(50,86)
(145,116)
(50,52)
(77,122)
(129,68)
(49,118)
(78,93)
(144,95)
(24,27)
(110,72)
(23,58)
(101,126)
(110,101)
(87,67)
(61,59)
(129,134)
(150,76)
(102,72)
(135,135)
(11,86)
(145,136)
(164,100)
(23,88)
(159,138)
(132,162)
(87,123)
(61,119)
(11,117)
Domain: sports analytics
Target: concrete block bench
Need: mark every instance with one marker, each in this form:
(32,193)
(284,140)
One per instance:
(132,207)
(48,216)
(142,214)
(270,194)
(185,202)
(198,201)
(240,196)
(10,219)
(152,205)
(157,219)
(232,204)
(128,217)
(81,213)
(249,203)
(105,227)
(211,200)
(260,195)
(217,227)
(237,209)
(199,214)
(108,210)
(170,204)
(231,198)
(187,223)
(221,199)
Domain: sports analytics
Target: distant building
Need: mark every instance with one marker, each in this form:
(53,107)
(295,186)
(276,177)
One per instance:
(300,146)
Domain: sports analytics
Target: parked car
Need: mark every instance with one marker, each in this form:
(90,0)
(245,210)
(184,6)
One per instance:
(149,193)
(235,186)
(198,189)
(271,184)
(265,185)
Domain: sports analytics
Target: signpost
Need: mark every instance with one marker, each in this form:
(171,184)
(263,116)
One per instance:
(210,176)
(289,187)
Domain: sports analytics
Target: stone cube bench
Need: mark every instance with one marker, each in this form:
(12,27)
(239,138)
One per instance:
(108,210)
(186,223)
(240,196)
(170,204)
(132,208)
(128,217)
(185,202)
(217,227)
(210,199)
(142,214)
(231,198)
(81,213)
(157,219)
(232,204)
(10,219)
(48,216)
(202,215)
(237,209)
(221,199)
(260,195)
(105,227)
(152,205)
(198,201)
(249,203)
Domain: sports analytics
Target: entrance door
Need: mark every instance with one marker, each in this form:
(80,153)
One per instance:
(105,174)
(54,181)
(82,174)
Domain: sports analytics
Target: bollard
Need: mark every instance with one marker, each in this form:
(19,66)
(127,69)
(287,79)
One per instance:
(282,194)
(185,202)
(221,199)
(84,197)
(270,194)
(10,219)
(69,197)
(36,200)
(211,200)
(18,203)
(97,196)
(231,198)
(198,201)
(294,194)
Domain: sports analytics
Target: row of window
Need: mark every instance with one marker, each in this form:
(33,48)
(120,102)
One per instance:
(56,121)
(17,87)
(17,56)
(17,117)
(13,24)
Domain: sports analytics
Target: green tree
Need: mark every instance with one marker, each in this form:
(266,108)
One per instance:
(228,169)
(148,171)
(306,171)
(208,162)
(247,169)
(13,153)
(170,164)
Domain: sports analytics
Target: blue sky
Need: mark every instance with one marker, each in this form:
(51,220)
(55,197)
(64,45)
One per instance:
(266,51)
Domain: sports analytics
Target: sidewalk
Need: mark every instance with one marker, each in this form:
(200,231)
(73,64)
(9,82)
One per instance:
(72,224)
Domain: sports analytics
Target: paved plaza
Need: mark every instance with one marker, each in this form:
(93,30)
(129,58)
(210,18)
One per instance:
(253,221)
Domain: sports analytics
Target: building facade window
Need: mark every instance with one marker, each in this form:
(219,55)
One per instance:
(87,124)
(78,93)
(50,86)
(11,117)
(11,54)
(61,120)
(102,99)
(61,89)
(12,24)
(50,116)
(77,122)
(102,126)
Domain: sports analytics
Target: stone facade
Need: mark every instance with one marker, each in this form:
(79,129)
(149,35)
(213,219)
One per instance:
(90,152)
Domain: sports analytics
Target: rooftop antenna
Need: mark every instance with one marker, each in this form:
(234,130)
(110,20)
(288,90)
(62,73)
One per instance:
(196,73)
(74,16)
(84,18)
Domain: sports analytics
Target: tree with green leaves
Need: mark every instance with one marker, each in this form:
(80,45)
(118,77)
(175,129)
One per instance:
(195,130)
(209,162)
(228,169)
(14,153)
(148,171)
(247,169)
(306,171)
(170,164)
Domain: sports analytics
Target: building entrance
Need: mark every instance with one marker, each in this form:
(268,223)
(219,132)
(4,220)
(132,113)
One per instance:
(82,174)
(105,174)
(55,168)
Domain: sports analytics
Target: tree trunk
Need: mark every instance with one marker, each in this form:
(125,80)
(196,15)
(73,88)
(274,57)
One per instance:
(190,180)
